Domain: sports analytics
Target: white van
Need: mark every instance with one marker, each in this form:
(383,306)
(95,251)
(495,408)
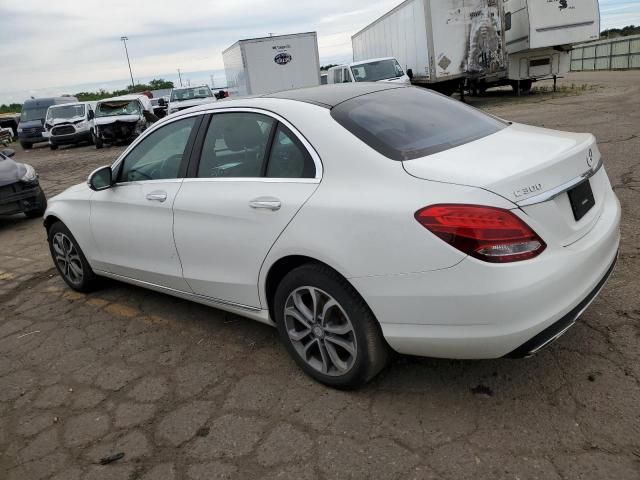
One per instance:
(375,70)
(70,124)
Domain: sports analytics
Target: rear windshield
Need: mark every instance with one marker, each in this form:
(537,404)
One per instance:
(412,122)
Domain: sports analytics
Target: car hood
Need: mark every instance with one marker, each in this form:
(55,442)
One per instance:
(190,103)
(10,171)
(31,124)
(117,118)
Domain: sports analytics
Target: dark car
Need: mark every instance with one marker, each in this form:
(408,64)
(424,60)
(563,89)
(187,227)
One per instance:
(20,190)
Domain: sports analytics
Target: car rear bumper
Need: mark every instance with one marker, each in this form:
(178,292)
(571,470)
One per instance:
(477,310)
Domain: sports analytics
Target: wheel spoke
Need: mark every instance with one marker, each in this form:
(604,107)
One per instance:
(302,308)
(298,335)
(335,358)
(295,314)
(329,304)
(344,344)
(324,357)
(57,247)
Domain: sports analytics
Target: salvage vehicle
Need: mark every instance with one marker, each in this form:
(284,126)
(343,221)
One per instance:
(20,190)
(474,238)
(374,70)
(188,97)
(122,119)
(70,124)
(34,110)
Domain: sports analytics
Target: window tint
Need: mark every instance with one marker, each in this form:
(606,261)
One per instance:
(408,122)
(289,158)
(507,21)
(345,75)
(235,145)
(159,155)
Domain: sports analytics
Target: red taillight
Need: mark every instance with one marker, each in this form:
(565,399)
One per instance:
(487,233)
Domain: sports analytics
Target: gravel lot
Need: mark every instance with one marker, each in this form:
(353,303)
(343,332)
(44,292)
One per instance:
(189,392)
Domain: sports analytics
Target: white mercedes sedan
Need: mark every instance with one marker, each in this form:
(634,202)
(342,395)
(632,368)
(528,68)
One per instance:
(358,219)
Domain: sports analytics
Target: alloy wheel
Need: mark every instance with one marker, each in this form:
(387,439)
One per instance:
(67,258)
(320,331)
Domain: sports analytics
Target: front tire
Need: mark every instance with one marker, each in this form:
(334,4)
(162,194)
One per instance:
(26,146)
(69,259)
(98,142)
(327,327)
(53,147)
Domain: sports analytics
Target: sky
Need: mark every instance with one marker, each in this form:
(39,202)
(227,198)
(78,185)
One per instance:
(66,46)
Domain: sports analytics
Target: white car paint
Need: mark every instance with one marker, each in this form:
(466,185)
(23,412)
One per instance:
(205,242)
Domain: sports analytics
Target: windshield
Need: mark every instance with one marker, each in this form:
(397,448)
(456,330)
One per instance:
(33,113)
(376,71)
(407,122)
(118,107)
(180,94)
(65,112)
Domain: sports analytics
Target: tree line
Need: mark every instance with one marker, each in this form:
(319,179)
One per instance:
(155,84)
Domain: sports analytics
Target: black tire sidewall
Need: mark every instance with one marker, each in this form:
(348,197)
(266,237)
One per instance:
(365,326)
(88,277)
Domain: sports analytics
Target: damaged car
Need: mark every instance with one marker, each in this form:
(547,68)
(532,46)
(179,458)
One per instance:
(70,124)
(20,190)
(119,120)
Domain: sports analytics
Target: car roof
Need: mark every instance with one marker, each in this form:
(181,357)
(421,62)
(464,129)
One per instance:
(329,96)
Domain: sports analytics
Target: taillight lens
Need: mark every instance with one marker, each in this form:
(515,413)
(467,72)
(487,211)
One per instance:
(491,234)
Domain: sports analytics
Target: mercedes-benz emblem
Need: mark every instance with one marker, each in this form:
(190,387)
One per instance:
(590,158)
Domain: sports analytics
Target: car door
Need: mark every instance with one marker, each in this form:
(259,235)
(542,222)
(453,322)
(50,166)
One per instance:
(132,222)
(253,175)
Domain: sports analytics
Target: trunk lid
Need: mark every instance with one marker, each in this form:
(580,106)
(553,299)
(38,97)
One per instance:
(533,168)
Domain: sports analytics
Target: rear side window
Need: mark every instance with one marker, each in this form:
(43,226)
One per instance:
(407,123)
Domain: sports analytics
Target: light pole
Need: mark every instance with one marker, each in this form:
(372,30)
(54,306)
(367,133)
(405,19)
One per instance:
(180,77)
(124,40)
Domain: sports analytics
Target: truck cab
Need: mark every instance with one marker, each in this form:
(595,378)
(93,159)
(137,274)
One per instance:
(34,110)
(188,97)
(374,70)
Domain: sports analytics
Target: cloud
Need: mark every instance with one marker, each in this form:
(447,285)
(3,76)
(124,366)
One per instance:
(71,43)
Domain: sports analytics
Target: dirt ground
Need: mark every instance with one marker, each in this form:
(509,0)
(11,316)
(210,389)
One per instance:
(190,392)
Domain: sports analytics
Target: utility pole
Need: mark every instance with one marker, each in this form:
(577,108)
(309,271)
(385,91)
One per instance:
(124,40)
(180,77)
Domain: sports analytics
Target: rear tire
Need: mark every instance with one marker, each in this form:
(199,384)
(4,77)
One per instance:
(69,259)
(53,147)
(335,338)
(26,146)
(525,86)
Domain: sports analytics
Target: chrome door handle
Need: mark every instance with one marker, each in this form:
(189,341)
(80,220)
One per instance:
(157,196)
(267,203)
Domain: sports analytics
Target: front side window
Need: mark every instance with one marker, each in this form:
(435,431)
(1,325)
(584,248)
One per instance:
(408,122)
(235,145)
(160,154)
(288,158)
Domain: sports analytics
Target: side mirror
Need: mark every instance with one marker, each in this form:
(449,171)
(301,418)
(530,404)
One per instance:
(162,103)
(410,73)
(8,152)
(91,115)
(100,179)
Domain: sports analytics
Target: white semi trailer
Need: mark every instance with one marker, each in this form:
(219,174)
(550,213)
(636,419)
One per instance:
(539,35)
(479,42)
(271,64)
